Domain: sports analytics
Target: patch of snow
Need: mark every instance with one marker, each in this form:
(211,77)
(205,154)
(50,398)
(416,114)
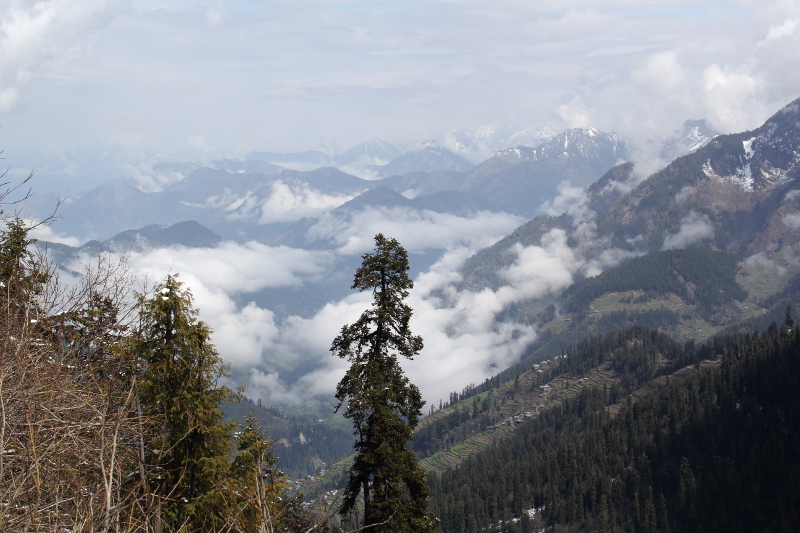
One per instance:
(708,171)
(775,176)
(743,177)
(748,148)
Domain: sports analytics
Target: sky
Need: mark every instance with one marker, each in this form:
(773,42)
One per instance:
(198,79)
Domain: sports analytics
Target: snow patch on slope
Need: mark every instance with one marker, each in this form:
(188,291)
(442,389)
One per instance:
(748,148)
(743,177)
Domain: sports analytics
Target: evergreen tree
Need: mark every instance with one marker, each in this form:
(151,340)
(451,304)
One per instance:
(253,499)
(381,402)
(22,274)
(179,388)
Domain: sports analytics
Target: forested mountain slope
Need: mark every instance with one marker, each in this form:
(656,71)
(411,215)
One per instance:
(714,450)
(737,194)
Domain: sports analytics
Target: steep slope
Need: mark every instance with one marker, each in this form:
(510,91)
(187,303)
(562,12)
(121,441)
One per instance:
(711,449)
(735,193)
(521,179)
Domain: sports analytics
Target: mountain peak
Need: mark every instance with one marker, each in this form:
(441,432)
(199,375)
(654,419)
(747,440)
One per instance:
(431,158)
(377,197)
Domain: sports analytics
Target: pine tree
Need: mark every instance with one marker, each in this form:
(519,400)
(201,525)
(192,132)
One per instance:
(179,388)
(380,401)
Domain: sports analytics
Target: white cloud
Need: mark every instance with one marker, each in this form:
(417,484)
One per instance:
(147,179)
(544,269)
(288,202)
(791,220)
(463,342)
(762,262)
(728,92)
(568,196)
(780,31)
(236,268)
(33,33)
(416,230)
(46,233)
(575,113)
(661,72)
(695,227)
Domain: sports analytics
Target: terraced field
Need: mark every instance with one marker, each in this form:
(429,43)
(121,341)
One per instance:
(519,400)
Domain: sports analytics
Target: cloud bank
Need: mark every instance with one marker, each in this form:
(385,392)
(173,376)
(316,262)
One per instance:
(289,359)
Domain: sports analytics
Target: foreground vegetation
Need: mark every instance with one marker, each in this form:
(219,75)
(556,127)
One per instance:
(110,411)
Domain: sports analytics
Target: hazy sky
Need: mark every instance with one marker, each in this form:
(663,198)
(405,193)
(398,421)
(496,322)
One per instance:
(198,79)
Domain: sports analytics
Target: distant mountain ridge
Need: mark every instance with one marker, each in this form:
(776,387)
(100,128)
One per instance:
(738,193)
(258,199)
(738,187)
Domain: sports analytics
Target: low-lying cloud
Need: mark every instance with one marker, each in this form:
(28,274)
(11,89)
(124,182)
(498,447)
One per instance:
(288,203)
(278,202)
(236,268)
(695,227)
(416,230)
(287,359)
(464,342)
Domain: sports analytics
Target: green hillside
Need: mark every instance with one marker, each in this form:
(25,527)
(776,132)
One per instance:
(702,277)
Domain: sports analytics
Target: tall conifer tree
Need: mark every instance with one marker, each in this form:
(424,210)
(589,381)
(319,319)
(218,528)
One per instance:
(180,390)
(381,402)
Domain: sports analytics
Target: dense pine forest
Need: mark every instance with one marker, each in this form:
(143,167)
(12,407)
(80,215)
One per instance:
(716,450)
